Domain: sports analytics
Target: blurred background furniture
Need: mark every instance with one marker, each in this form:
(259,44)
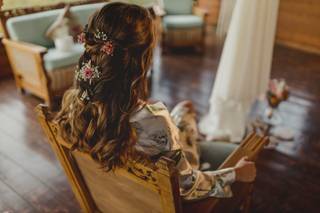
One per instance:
(183,24)
(5,70)
(37,66)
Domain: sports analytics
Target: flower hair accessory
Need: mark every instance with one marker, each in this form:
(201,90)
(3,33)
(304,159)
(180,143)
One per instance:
(108,43)
(87,72)
(108,46)
(101,36)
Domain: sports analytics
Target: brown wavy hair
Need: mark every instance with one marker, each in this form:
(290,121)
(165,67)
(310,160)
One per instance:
(101,126)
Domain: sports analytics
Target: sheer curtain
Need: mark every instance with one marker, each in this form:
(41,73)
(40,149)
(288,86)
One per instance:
(224,19)
(244,68)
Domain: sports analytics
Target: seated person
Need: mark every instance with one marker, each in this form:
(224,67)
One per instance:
(108,116)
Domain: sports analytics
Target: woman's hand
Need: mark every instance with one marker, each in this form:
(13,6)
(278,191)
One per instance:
(245,170)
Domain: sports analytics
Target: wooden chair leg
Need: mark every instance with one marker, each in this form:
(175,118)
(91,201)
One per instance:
(21,90)
(200,47)
(246,205)
(203,42)
(247,202)
(204,206)
(164,47)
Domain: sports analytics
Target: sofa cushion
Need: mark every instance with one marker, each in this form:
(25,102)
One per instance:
(182,21)
(32,27)
(55,59)
(178,7)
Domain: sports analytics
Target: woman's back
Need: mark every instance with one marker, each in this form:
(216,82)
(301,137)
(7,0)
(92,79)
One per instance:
(106,114)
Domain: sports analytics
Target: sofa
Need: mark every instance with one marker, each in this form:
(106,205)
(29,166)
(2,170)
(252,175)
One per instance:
(183,24)
(38,66)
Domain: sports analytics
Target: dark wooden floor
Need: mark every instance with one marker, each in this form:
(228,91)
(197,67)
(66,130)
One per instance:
(31,179)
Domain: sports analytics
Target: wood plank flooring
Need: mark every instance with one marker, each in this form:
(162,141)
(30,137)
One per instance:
(31,179)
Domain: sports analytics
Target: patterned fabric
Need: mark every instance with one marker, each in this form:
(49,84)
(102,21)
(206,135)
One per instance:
(175,136)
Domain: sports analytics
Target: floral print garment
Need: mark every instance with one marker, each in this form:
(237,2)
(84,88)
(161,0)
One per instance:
(175,136)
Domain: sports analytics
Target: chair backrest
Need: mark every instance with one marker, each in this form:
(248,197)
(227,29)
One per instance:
(138,188)
(178,7)
(30,24)
(135,188)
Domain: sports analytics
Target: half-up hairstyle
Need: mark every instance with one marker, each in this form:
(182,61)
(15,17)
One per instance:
(95,114)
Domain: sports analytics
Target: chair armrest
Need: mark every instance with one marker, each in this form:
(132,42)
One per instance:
(198,11)
(24,46)
(26,60)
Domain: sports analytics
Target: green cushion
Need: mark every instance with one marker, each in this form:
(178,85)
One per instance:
(55,59)
(215,152)
(32,27)
(176,7)
(182,21)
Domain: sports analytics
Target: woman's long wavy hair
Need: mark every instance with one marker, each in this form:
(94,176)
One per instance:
(101,126)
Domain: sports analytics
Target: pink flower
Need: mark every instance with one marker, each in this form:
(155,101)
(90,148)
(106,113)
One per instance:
(107,48)
(81,38)
(88,72)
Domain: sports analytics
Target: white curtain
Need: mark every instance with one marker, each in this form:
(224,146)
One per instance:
(225,14)
(244,68)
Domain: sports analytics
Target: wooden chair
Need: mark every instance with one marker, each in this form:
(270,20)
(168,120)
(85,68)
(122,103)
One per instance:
(138,188)
(4,63)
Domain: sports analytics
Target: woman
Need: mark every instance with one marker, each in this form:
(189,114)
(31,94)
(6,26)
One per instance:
(108,116)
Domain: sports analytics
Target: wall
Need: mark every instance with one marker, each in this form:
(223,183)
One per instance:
(10,4)
(299,24)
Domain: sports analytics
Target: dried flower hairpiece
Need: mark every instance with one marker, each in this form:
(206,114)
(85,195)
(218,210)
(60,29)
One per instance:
(108,44)
(87,72)
(108,48)
(84,96)
(101,35)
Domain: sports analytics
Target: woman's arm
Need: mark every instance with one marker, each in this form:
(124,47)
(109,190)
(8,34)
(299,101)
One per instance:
(195,184)
(158,135)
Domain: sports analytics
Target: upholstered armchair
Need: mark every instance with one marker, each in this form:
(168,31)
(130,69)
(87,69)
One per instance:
(183,24)
(38,67)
